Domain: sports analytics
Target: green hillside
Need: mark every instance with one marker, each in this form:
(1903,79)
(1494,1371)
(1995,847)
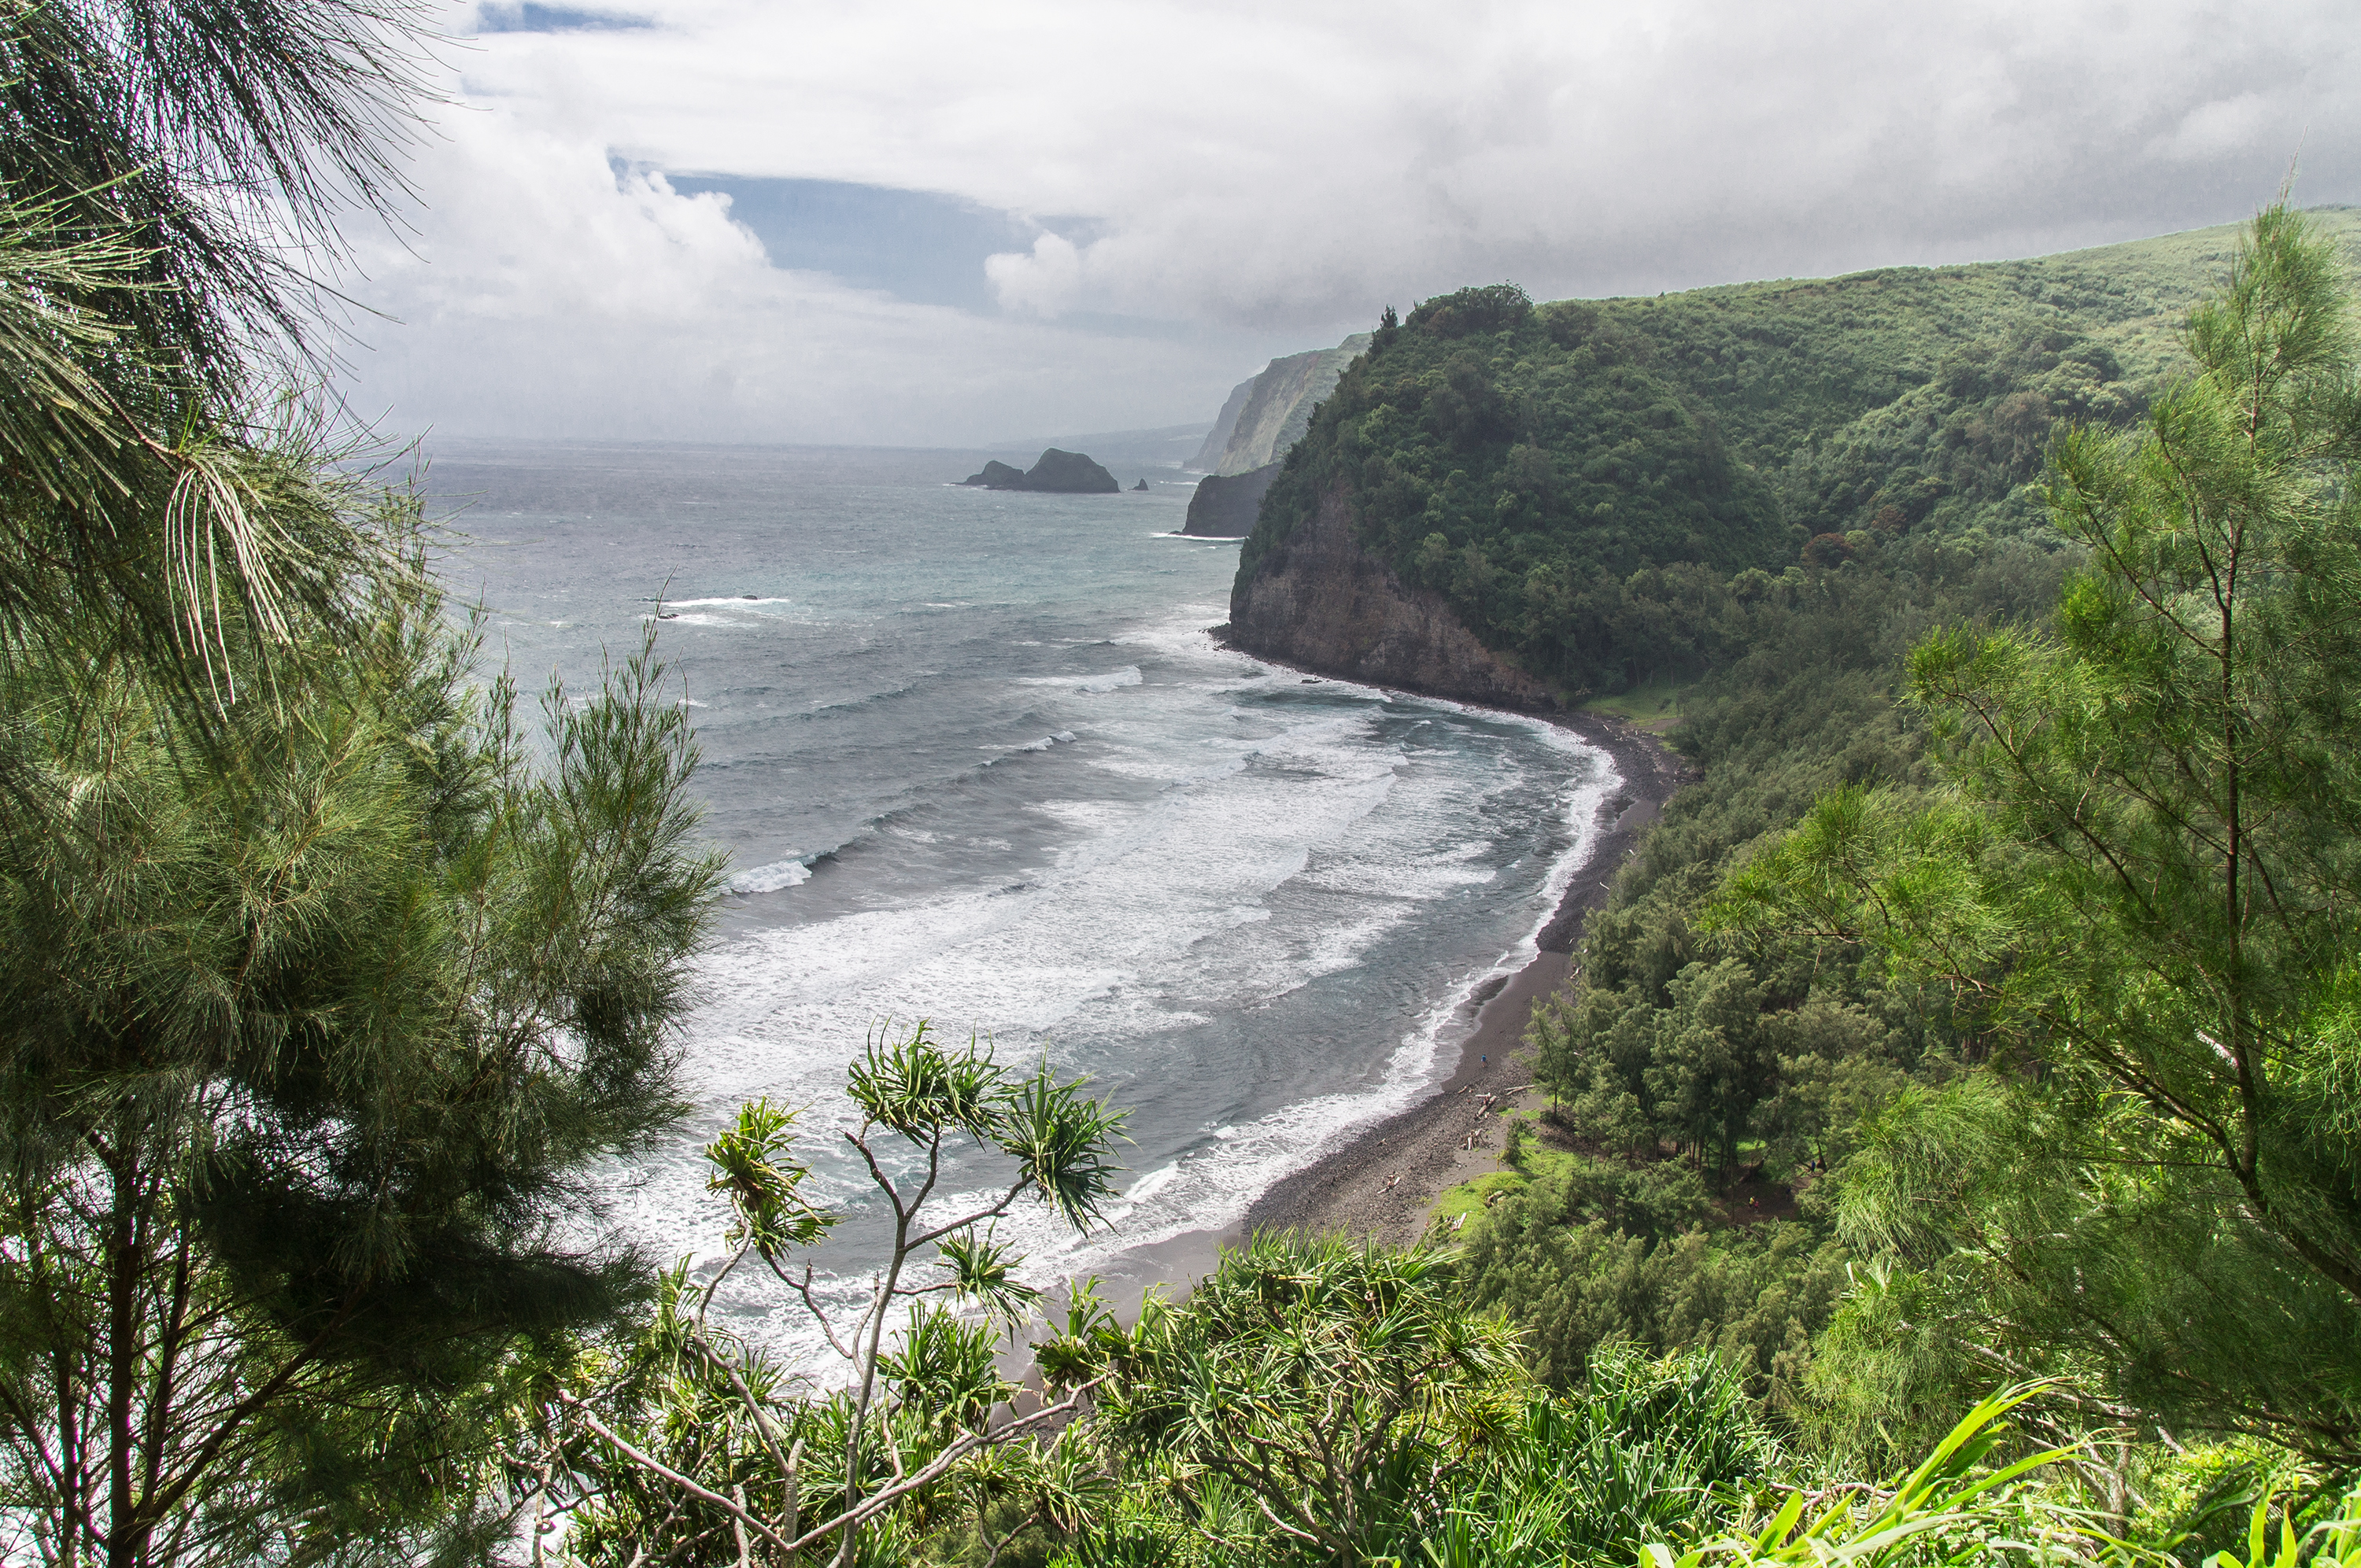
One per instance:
(1526,460)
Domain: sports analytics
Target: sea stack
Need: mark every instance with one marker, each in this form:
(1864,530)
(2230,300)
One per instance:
(1070,473)
(997,475)
(1057,472)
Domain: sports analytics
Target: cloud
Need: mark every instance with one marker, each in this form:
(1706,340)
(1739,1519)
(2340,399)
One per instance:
(1043,282)
(1261,177)
(548,291)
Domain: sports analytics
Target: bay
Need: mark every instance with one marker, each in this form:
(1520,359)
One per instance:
(977,761)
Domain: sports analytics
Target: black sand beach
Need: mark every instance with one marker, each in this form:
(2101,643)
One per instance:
(1383,1183)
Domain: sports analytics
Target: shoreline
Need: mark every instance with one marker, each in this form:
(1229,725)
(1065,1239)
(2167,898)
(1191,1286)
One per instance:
(1382,1180)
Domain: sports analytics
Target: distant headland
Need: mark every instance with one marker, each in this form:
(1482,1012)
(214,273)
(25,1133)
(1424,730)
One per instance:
(1060,473)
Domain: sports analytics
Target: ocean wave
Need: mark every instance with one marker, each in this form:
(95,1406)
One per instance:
(773,878)
(1163,921)
(1111,680)
(916,686)
(734,601)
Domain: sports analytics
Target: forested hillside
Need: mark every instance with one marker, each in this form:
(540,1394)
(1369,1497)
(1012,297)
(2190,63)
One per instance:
(1524,461)
(1976,1015)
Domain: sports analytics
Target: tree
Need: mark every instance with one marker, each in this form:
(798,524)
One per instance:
(1709,1065)
(2145,885)
(1335,1384)
(168,171)
(690,1446)
(312,1013)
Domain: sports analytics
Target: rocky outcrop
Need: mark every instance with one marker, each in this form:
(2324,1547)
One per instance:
(1070,473)
(1318,600)
(997,475)
(1224,509)
(1059,473)
(1267,414)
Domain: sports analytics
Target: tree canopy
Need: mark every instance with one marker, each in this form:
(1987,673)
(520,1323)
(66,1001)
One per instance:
(2142,875)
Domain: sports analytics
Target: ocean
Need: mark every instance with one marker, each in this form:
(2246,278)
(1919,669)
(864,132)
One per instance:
(977,761)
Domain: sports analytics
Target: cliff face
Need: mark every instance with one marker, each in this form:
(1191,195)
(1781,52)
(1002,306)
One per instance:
(1225,509)
(1317,599)
(1226,425)
(1267,414)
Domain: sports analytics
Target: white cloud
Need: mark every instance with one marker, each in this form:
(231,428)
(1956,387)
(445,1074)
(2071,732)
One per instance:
(1274,173)
(547,293)
(2224,125)
(1043,282)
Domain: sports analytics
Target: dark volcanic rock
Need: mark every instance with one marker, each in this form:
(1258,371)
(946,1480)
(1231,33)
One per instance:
(1224,509)
(1319,601)
(1070,473)
(1141,486)
(1059,473)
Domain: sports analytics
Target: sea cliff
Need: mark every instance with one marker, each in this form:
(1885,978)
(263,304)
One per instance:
(1225,508)
(1267,413)
(1516,503)
(1319,600)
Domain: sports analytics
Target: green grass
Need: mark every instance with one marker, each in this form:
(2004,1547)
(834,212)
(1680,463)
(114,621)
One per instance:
(1540,1160)
(1653,705)
(1469,1196)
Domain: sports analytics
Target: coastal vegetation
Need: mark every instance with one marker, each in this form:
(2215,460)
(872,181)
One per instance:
(2001,946)
(2006,942)
(1581,480)
(327,976)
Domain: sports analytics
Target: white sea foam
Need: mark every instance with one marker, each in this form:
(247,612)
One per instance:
(1111,681)
(772,878)
(1273,848)
(732,601)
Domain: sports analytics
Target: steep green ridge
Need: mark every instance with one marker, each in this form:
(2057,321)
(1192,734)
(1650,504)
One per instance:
(1524,461)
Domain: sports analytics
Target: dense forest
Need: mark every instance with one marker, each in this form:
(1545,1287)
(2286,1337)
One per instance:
(2006,943)
(1897,1066)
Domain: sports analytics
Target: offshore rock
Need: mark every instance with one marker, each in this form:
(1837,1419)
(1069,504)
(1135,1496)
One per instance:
(1057,472)
(1225,507)
(1070,473)
(1316,599)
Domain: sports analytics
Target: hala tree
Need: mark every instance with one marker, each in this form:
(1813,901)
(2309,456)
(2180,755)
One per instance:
(2144,882)
(312,1012)
(688,1447)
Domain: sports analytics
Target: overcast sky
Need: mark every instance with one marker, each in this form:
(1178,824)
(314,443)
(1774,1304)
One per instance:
(957,221)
